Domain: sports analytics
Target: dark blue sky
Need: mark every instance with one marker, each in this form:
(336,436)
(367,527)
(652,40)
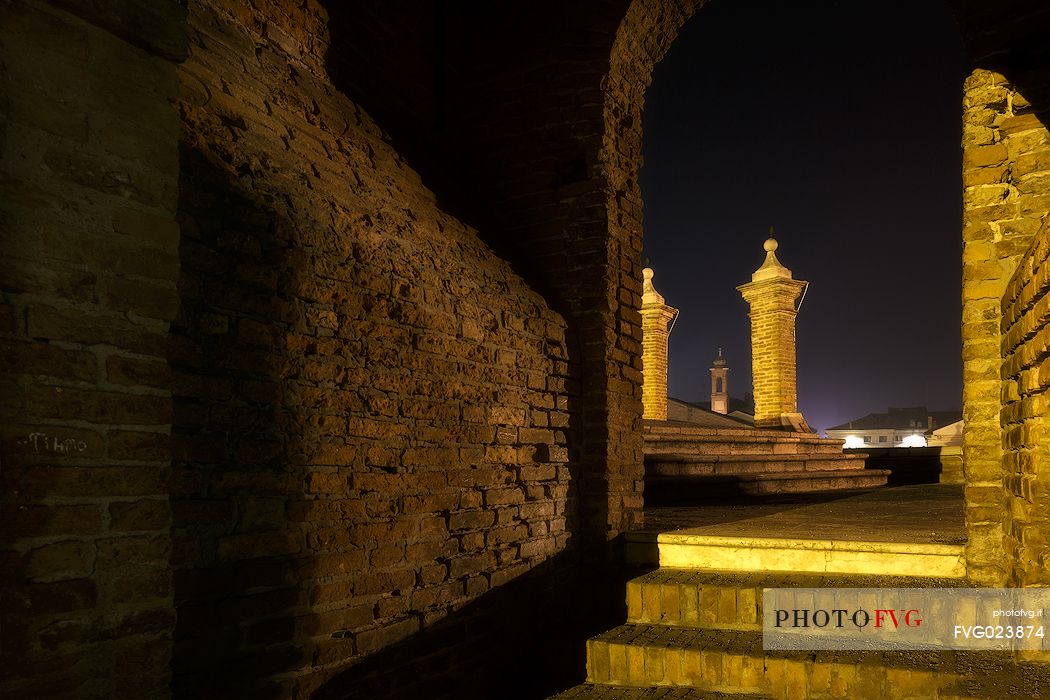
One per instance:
(838,123)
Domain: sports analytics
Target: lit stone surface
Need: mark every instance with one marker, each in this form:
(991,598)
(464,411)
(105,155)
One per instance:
(697,551)
(774,296)
(656,317)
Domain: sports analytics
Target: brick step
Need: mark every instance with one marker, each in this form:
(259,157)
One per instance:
(692,550)
(733,599)
(739,447)
(660,429)
(731,661)
(662,489)
(749,464)
(696,433)
(591,691)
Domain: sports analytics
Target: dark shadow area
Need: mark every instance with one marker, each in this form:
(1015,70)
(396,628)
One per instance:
(907,465)
(418,92)
(243,595)
(235,548)
(1010,38)
(478,99)
(670,507)
(524,639)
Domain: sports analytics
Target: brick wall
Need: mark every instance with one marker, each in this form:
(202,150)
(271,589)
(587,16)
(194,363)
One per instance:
(1004,203)
(88,262)
(1026,378)
(372,409)
(1006,176)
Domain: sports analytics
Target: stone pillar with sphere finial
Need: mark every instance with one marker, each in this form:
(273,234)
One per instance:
(656,326)
(775,298)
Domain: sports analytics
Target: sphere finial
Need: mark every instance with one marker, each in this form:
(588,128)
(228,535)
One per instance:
(770,245)
(647,273)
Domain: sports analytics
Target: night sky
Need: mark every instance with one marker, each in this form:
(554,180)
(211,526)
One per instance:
(839,124)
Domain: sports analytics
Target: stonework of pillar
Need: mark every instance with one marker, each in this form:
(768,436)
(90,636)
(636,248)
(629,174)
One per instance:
(774,297)
(656,317)
(720,385)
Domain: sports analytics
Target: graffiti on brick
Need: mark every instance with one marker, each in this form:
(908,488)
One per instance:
(42,442)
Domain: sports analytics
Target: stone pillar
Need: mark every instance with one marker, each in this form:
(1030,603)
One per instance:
(774,298)
(719,385)
(656,317)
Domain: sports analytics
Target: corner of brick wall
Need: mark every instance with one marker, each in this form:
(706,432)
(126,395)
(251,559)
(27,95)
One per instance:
(1005,149)
(1026,378)
(88,263)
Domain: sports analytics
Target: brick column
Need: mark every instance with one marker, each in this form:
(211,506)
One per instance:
(774,297)
(656,315)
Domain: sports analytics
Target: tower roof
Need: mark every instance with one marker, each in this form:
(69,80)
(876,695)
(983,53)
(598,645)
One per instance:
(719,361)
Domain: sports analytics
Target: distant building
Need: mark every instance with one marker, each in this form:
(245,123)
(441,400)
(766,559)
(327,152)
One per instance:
(947,436)
(700,414)
(740,409)
(898,427)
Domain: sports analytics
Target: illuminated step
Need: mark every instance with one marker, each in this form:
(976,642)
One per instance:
(733,661)
(714,464)
(733,599)
(685,550)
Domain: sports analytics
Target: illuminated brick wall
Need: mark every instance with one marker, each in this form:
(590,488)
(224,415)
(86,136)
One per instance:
(1006,161)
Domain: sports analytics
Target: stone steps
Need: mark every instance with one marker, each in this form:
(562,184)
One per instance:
(733,599)
(714,464)
(733,661)
(697,634)
(701,631)
(690,464)
(685,440)
(686,550)
(743,445)
(700,487)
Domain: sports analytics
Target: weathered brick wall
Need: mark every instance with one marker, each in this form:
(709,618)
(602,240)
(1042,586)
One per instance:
(372,409)
(550,159)
(1004,202)
(1026,378)
(547,164)
(88,262)
(642,38)
(537,146)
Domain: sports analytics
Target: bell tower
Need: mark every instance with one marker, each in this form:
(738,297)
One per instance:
(719,385)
